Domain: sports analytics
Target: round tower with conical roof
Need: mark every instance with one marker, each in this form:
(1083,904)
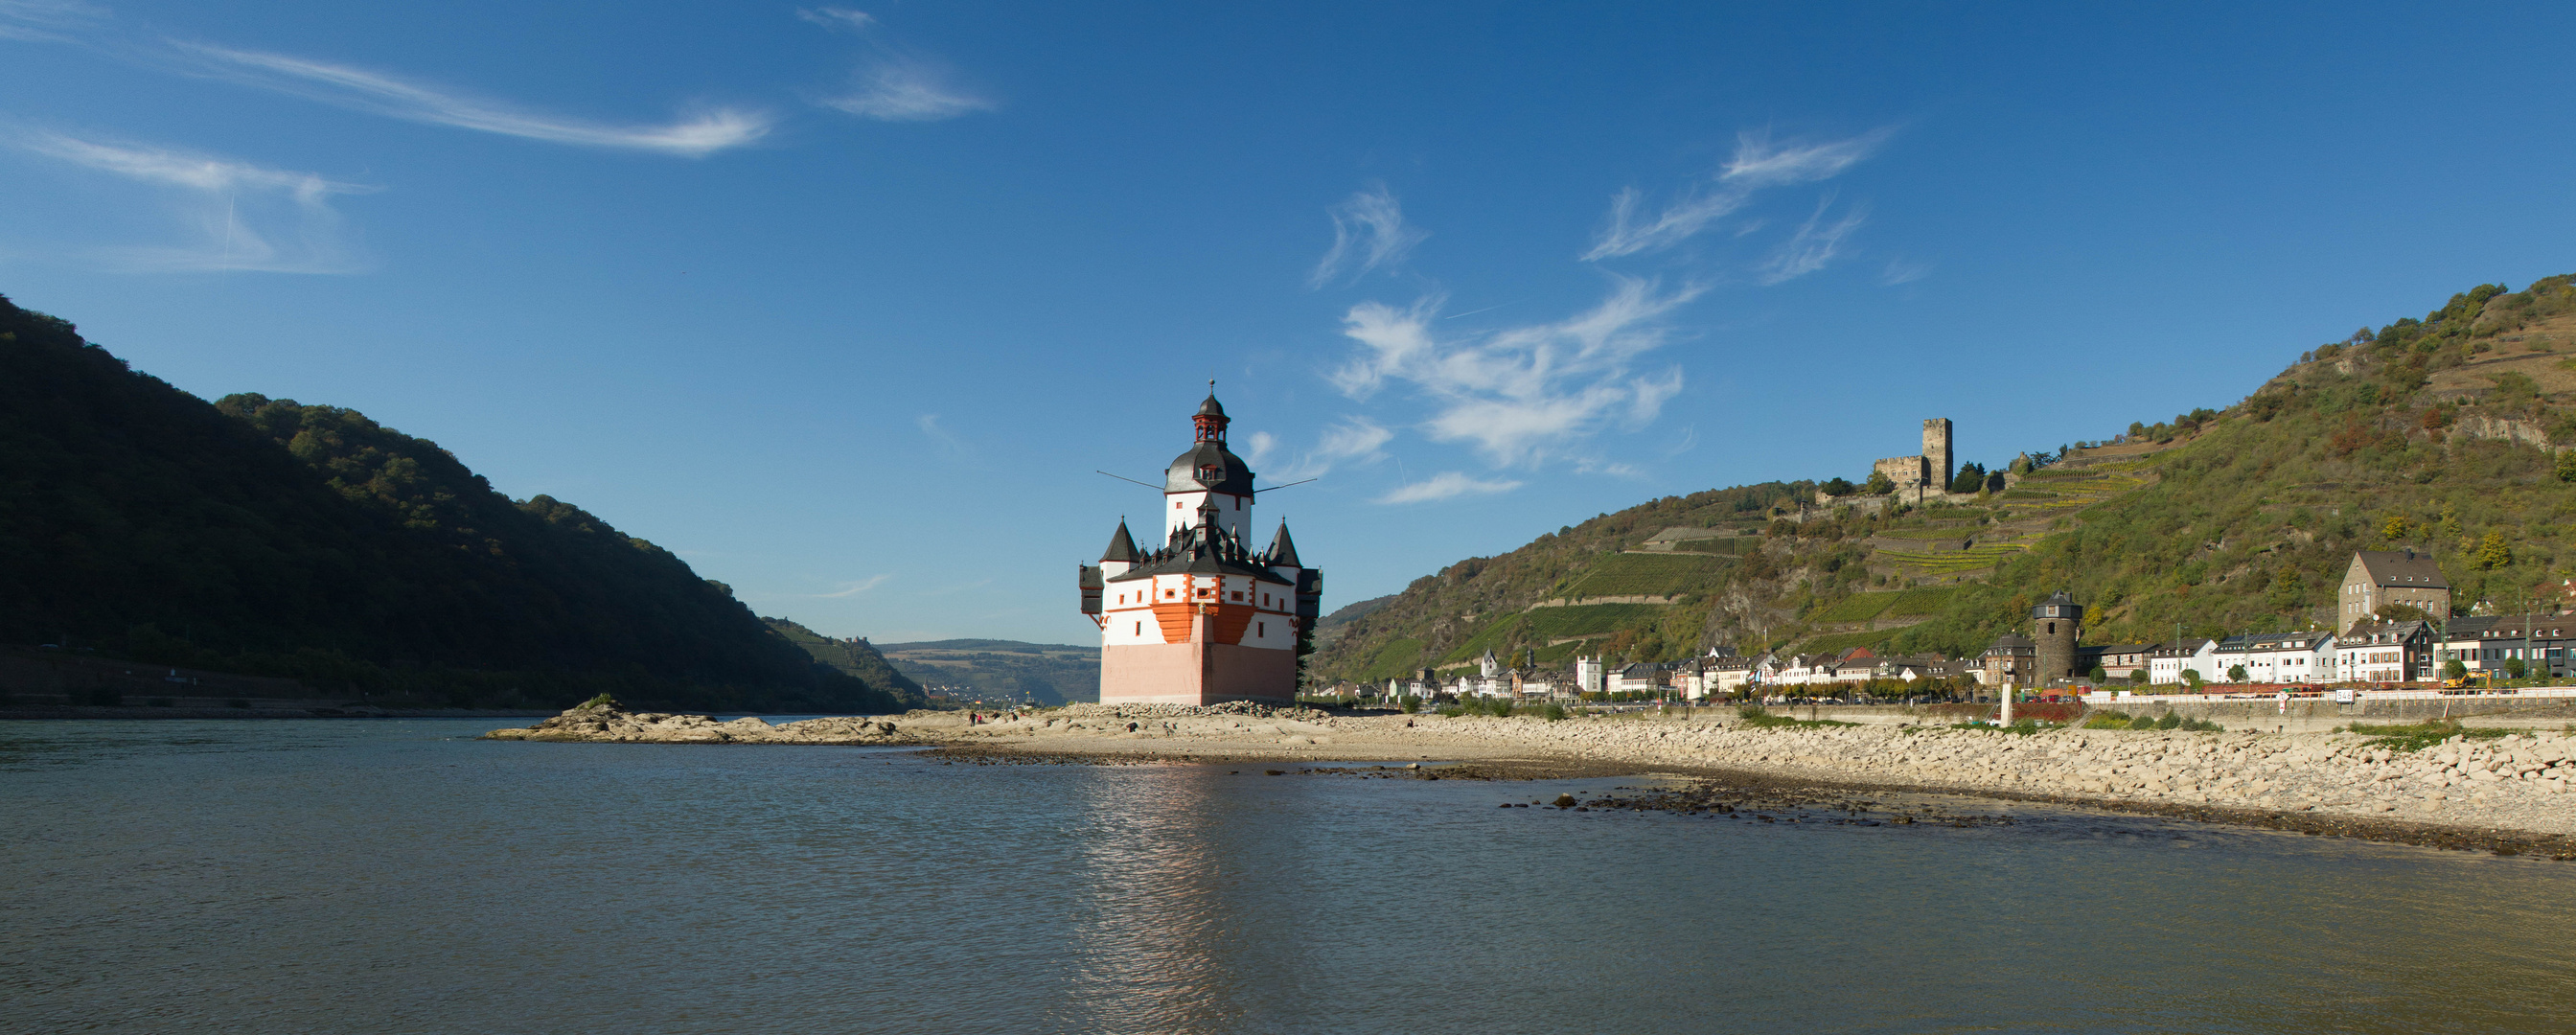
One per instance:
(2054,626)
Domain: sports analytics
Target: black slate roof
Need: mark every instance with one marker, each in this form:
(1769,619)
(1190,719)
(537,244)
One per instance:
(1283,550)
(1122,547)
(1208,466)
(1205,549)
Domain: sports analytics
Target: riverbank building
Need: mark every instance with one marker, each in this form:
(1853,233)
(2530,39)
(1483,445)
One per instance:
(1202,617)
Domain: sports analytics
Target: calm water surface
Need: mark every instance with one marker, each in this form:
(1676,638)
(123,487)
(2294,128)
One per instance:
(353,876)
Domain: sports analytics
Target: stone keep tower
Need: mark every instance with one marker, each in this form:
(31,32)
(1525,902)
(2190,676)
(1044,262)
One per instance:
(2053,628)
(1938,466)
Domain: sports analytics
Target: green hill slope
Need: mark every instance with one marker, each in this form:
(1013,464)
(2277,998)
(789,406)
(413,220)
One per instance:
(268,537)
(2436,433)
(1046,673)
(856,658)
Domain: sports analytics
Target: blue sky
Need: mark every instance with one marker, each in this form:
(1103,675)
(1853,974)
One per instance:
(846,304)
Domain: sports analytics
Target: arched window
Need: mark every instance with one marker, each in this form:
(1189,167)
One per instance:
(2052,628)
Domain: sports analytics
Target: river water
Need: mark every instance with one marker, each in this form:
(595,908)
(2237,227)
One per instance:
(399,876)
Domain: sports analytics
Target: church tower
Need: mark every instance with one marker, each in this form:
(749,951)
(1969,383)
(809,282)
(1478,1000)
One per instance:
(1203,617)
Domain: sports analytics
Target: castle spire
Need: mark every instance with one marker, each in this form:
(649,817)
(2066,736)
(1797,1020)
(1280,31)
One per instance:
(1211,419)
(1122,547)
(1283,550)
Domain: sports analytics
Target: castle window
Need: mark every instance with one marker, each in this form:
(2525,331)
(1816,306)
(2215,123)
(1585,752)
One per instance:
(1140,628)
(1260,628)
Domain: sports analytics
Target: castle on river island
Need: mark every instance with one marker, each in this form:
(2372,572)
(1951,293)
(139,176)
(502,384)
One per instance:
(1204,617)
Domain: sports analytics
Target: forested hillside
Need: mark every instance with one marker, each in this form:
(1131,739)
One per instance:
(1047,673)
(2440,433)
(856,658)
(267,537)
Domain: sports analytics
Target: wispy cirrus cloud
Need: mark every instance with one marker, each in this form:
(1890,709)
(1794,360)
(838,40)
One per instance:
(947,440)
(839,19)
(50,21)
(695,133)
(1521,394)
(851,589)
(1758,164)
(240,216)
(893,86)
(1814,245)
(1447,485)
(1369,231)
(1349,440)
(905,90)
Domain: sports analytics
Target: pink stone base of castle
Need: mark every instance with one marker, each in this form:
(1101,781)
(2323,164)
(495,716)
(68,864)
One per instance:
(1196,673)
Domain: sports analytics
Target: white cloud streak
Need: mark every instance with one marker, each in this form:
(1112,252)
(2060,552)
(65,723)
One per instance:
(244,217)
(1525,393)
(47,20)
(1446,485)
(905,90)
(1757,165)
(1902,271)
(1814,245)
(893,86)
(851,589)
(694,134)
(947,440)
(1351,440)
(1368,232)
(838,19)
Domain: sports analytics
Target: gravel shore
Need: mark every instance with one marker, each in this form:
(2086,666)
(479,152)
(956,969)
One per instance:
(2524,782)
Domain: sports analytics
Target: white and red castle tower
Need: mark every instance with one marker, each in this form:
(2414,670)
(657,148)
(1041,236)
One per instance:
(1204,618)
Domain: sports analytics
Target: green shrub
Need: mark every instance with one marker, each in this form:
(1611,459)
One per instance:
(1412,703)
(2170,721)
(1555,712)
(2108,720)
(1758,717)
(2418,736)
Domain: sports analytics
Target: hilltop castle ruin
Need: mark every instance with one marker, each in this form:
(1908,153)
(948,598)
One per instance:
(1921,477)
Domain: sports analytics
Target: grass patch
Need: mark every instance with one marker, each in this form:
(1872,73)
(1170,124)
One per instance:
(1834,643)
(1859,607)
(1950,562)
(1559,652)
(1397,658)
(1647,574)
(1493,634)
(2413,737)
(2108,719)
(1557,623)
(1960,532)
(1728,547)
(1760,718)
(1915,603)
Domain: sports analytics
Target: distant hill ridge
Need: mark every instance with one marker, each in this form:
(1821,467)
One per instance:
(269,537)
(2441,433)
(1046,673)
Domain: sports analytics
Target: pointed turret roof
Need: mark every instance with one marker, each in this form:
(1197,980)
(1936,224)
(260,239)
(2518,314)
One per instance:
(1283,550)
(1122,547)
